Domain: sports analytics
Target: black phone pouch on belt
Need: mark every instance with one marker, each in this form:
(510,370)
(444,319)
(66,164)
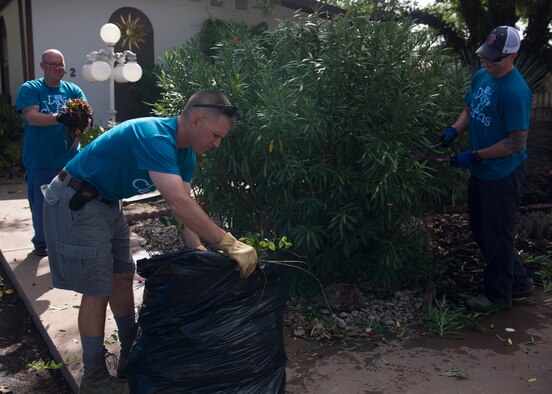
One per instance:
(84,193)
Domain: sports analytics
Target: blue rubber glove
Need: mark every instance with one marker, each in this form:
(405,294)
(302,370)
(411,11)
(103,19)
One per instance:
(448,136)
(463,159)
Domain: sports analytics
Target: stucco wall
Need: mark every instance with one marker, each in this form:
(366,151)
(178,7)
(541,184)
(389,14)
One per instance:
(73,27)
(15,59)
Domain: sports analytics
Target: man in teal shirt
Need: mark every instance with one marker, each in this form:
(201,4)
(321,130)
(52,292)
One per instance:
(46,147)
(86,232)
(497,113)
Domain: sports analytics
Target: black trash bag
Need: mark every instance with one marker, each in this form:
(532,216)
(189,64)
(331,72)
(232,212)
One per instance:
(202,329)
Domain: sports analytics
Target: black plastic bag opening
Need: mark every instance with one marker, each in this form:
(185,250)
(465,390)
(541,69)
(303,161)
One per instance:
(202,329)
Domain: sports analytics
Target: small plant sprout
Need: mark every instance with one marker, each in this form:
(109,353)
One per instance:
(454,372)
(443,320)
(262,244)
(113,338)
(41,365)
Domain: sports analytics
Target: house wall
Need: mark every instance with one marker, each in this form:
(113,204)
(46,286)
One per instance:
(73,27)
(15,57)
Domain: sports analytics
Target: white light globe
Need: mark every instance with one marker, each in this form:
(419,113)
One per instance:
(132,71)
(100,70)
(87,73)
(118,74)
(110,33)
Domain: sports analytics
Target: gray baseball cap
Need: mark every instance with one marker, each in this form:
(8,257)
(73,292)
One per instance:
(503,40)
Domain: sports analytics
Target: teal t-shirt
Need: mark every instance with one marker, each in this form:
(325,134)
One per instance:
(497,107)
(46,147)
(117,162)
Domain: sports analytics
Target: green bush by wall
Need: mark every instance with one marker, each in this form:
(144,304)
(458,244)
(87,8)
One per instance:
(11,138)
(330,111)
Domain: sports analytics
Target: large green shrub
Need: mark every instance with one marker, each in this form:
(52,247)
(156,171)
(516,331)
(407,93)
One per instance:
(11,138)
(330,111)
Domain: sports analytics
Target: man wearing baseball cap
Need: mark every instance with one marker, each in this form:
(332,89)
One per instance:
(497,113)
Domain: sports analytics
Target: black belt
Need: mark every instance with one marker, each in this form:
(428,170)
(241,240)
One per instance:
(77,185)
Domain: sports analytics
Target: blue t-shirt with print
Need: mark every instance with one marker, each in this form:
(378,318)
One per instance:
(46,147)
(497,107)
(117,162)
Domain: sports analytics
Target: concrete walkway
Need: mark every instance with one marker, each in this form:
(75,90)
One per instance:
(54,311)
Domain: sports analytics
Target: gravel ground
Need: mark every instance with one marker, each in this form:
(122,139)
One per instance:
(347,311)
(350,311)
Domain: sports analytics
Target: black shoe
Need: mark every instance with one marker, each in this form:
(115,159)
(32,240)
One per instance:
(482,304)
(40,252)
(121,368)
(526,292)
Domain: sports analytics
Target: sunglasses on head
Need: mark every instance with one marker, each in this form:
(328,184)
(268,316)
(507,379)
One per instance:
(228,110)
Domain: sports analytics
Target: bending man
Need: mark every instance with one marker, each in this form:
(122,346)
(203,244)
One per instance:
(86,232)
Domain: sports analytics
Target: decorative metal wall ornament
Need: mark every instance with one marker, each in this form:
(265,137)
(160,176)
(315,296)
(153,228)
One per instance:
(132,32)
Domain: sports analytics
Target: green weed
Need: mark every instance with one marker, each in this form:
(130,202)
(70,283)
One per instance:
(443,319)
(547,286)
(41,365)
(544,264)
(454,372)
(113,338)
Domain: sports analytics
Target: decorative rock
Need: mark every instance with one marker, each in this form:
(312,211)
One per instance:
(351,311)
(299,331)
(344,297)
(341,323)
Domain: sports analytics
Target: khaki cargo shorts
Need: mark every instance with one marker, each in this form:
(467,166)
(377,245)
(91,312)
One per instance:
(87,246)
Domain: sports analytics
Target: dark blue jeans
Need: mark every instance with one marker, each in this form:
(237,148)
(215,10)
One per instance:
(492,207)
(35,179)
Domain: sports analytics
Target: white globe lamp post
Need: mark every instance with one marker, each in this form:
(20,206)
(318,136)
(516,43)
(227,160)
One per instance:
(110,33)
(107,64)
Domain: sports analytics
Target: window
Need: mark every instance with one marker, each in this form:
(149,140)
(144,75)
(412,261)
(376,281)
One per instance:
(241,4)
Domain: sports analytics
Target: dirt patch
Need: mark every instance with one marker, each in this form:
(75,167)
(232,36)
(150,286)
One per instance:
(20,345)
(483,362)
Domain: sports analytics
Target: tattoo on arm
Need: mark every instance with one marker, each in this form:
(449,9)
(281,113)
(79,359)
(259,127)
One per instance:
(27,110)
(516,140)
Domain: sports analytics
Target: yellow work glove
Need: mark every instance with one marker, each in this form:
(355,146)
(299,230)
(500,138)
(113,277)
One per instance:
(245,255)
(201,247)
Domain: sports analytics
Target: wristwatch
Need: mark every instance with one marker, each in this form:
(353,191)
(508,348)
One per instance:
(476,157)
